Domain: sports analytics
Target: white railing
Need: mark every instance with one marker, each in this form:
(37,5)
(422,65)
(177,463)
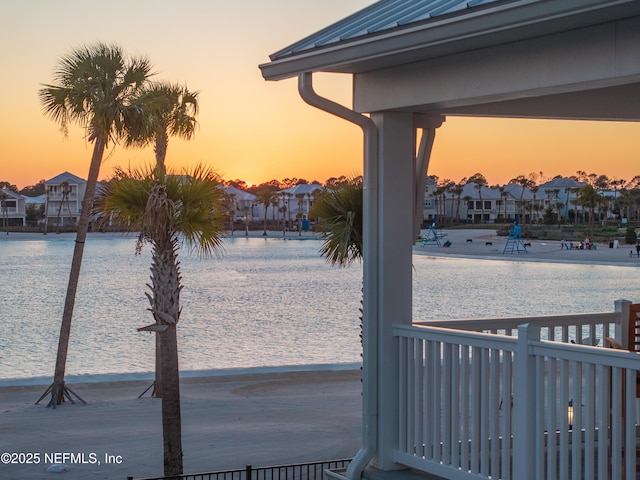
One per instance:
(486,405)
(585,329)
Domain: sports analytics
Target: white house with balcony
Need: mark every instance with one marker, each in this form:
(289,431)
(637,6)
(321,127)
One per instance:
(561,194)
(64,194)
(243,205)
(12,208)
(452,402)
(295,203)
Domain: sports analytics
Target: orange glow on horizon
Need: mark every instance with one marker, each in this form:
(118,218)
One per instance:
(251,129)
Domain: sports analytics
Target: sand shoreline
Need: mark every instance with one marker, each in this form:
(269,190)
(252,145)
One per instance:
(486,245)
(466,243)
(228,421)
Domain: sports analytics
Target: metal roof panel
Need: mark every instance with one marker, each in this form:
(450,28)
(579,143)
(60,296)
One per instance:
(380,17)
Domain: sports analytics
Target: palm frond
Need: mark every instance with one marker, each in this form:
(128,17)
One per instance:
(339,211)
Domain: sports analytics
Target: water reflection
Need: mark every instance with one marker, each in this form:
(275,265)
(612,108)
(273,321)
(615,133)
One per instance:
(266,302)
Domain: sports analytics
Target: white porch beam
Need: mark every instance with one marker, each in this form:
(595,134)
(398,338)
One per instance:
(504,76)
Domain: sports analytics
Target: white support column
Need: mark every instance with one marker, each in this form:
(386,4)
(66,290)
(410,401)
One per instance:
(396,167)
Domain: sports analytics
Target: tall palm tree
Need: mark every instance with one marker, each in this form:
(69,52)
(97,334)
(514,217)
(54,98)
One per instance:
(3,204)
(265,197)
(300,198)
(588,196)
(168,210)
(93,87)
(457,191)
(64,190)
(161,110)
(164,110)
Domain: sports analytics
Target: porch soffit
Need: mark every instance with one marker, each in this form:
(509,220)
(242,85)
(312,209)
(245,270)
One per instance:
(587,73)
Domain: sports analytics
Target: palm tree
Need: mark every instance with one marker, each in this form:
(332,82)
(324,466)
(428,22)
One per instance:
(65,190)
(161,110)
(46,208)
(467,199)
(588,196)
(457,191)
(339,214)
(168,210)
(94,86)
(300,198)
(265,196)
(164,110)
(3,204)
(480,182)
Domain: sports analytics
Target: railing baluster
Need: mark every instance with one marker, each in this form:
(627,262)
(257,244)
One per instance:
(474,421)
(464,410)
(562,420)
(602,399)
(576,432)
(454,421)
(446,404)
(493,407)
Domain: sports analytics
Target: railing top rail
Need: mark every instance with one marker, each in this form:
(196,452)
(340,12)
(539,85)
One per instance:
(460,337)
(476,324)
(587,354)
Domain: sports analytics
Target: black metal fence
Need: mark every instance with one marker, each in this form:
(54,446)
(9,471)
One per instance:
(299,471)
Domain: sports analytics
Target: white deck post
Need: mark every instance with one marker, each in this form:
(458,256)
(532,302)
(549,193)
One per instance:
(525,404)
(621,307)
(396,147)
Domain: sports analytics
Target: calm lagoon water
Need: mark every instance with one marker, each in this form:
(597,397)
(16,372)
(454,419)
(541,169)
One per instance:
(266,302)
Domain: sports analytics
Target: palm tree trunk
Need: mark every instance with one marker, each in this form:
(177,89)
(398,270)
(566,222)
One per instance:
(171,416)
(74,275)
(166,303)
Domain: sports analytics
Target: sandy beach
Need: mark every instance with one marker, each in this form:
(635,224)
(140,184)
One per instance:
(485,244)
(228,422)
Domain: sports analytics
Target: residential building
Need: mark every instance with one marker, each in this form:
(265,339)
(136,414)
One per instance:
(561,194)
(64,195)
(296,202)
(243,205)
(12,208)
(429,210)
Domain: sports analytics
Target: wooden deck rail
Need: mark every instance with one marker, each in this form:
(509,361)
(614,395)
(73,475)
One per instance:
(488,405)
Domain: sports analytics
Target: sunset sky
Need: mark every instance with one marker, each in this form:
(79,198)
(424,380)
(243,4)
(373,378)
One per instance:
(251,129)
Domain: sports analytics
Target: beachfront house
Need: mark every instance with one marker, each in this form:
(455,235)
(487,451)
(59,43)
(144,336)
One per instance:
(478,204)
(63,199)
(450,401)
(431,207)
(12,208)
(561,195)
(242,205)
(295,203)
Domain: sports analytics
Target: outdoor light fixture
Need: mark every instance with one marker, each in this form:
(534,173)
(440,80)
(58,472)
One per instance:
(570,414)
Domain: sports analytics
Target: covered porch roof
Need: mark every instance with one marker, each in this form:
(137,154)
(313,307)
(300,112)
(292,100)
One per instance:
(574,59)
